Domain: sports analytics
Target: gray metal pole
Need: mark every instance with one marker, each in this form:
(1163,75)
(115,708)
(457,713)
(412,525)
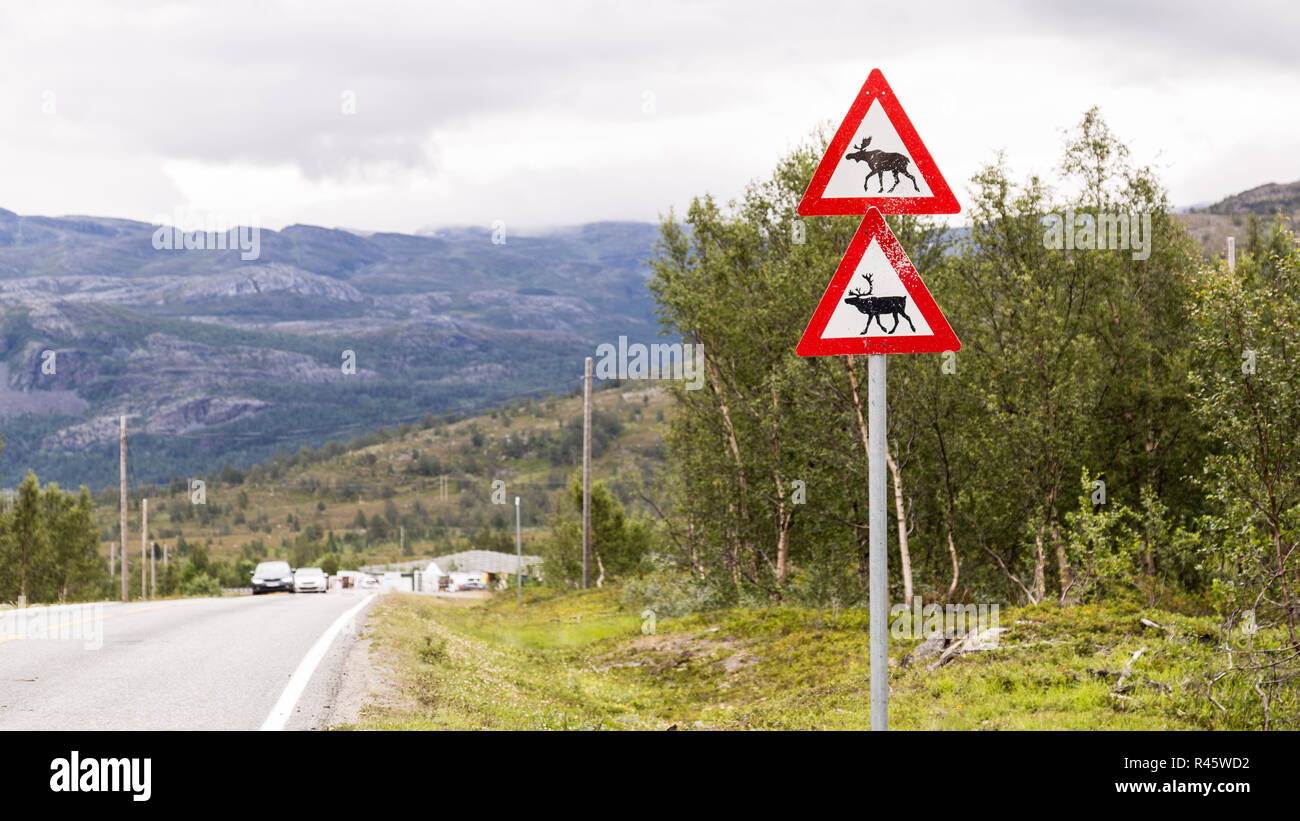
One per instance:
(586,477)
(878,558)
(519,557)
(1232,253)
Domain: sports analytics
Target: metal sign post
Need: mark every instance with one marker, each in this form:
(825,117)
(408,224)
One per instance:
(878,556)
(876,283)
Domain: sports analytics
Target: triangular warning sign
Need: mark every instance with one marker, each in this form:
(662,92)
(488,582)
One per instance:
(877,160)
(876,302)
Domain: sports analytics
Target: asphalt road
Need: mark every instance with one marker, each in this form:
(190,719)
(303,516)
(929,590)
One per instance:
(190,664)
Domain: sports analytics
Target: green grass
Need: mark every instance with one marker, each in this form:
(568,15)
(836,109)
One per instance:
(579,660)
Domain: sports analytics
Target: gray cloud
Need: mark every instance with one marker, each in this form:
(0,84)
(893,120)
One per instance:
(260,84)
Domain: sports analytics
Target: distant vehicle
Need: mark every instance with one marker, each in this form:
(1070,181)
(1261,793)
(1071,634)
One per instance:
(270,576)
(368,581)
(310,580)
(468,581)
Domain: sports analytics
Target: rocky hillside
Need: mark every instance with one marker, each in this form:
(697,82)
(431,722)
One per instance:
(1264,200)
(1242,215)
(215,358)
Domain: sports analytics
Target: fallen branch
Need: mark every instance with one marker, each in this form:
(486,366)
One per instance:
(1128,669)
(971,642)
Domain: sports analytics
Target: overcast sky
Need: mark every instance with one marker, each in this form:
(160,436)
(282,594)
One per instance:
(550,113)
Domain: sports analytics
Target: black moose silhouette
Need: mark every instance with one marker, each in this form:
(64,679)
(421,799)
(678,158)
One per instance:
(877,306)
(880,162)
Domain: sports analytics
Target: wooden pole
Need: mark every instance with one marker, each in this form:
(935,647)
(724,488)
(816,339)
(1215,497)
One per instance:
(144,546)
(519,558)
(125,595)
(586,476)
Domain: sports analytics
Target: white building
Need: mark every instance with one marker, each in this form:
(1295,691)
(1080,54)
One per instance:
(393,580)
(488,566)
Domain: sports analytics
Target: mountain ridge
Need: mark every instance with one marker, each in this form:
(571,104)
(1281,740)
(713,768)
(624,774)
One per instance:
(215,358)
(1262,200)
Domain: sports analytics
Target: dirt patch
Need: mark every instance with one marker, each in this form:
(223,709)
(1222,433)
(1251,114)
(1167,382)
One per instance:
(662,653)
(368,681)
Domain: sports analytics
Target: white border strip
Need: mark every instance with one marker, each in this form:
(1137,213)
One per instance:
(306,668)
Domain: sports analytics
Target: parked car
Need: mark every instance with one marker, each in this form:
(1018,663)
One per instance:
(310,580)
(270,576)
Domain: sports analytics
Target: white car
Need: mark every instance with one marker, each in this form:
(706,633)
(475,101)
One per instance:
(310,580)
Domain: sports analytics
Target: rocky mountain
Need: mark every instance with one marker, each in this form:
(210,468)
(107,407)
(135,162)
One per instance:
(1264,200)
(1242,216)
(216,357)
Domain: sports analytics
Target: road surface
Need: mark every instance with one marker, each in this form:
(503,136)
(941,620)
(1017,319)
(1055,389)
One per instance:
(186,664)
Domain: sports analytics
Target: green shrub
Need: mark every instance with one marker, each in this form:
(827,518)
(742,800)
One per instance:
(433,652)
(201,584)
(667,591)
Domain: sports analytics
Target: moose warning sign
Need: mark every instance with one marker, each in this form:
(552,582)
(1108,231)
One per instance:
(876,159)
(876,302)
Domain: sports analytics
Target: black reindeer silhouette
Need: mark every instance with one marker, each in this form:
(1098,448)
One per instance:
(880,162)
(877,306)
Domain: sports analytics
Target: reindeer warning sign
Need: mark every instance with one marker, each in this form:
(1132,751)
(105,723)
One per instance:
(876,302)
(877,160)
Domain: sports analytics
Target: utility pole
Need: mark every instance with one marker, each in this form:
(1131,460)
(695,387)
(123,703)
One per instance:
(401,539)
(877,554)
(1232,253)
(586,476)
(125,595)
(112,559)
(153,573)
(144,547)
(519,557)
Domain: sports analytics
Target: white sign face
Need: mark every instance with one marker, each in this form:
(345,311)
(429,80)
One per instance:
(878,303)
(883,168)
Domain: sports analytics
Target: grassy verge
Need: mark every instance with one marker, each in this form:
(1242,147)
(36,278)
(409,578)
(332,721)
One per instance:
(580,661)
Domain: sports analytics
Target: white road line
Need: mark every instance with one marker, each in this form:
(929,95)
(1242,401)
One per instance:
(298,681)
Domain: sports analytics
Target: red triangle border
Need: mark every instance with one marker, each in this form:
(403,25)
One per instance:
(873,226)
(941,200)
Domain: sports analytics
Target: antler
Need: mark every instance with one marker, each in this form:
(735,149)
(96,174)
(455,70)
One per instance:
(865,142)
(856,292)
(870,284)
